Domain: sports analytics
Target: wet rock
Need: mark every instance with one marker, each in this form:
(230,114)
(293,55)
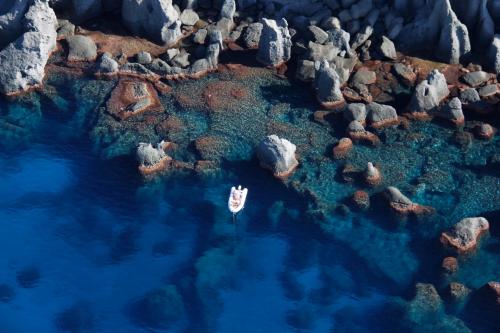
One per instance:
(380,115)
(189,17)
(277,155)
(361,200)
(144,58)
(464,236)
(156,19)
(469,96)
(22,62)
(458,292)
(452,111)
(357,133)
(387,49)
(429,93)
(252,34)
(342,149)
(106,64)
(402,205)
(152,159)
(463,139)
(494,54)
(475,79)
(228,9)
(161,307)
(405,74)
(7,293)
(372,175)
(355,111)
(450,265)
(484,131)
(327,85)
(275,45)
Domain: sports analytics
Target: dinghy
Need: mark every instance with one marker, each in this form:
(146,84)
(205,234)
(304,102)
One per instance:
(237,199)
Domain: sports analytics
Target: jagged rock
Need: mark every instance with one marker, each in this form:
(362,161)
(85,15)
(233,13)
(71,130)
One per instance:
(318,35)
(372,175)
(65,29)
(475,79)
(318,52)
(189,17)
(23,61)
(387,48)
(277,155)
(81,48)
(106,64)
(381,115)
(252,34)
(453,111)
(355,111)
(152,159)
(156,19)
(305,70)
(181,60)
(327,85)
(429,93)
(342,149)
(465,234)
(494,54)
(405,74)
(340,40)
(200,36)
(228,9)
(402,205)
(275,45)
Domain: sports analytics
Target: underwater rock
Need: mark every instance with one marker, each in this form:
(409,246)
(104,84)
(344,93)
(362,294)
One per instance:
(81,48)
(78,318)
(402,205)
(156,19)
(490,293)
(372,175)
(381,115)
(342,149)
(429,93)
(275,45)
(151,159)
(358,133)
(327,85)
(211,147)
(161,307)
(22,62)
(277,155)
(355,111)
(132,97)
(7,293)
(450,265)
(426,304)
(484,131)
(28,277)
(465,234)
(458,292)
(349,173)
(361,200)
(452,111)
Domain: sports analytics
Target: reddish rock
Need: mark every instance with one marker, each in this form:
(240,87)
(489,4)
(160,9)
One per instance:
(224,95)
(449,265)
(465,234)
(484,131)
(206,167)
(353,96)
(358,133)
(372,175)
(361,200)
(133,97)
(342,149)
(404,206)
(162,165)
(211,147)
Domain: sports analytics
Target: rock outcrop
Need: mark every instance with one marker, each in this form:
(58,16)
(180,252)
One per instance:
(275,45)
(152,159)
(327,85)
(429,93)
(22,62)
(402,205)
(465,234)
(155,19)
(277,155)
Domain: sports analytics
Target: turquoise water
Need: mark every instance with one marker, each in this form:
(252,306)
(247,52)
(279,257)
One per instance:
(87,245)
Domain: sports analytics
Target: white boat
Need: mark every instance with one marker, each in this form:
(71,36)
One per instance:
(237,199)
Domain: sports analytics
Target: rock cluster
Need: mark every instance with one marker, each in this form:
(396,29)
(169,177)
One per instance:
(464,236)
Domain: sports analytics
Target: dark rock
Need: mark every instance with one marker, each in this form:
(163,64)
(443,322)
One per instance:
(450,265)
(361,200)
(458,292)
(7,293)
(28,277)
(484,131)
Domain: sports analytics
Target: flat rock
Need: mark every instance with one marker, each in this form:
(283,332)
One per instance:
(81,48)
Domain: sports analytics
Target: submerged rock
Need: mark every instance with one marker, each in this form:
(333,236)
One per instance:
(450,265)
(277,155)
(22,62)
(275,45)
(402,205)
(361,200)
(429,93)
(327,85)
(465,234)
(484,131)
(161,307)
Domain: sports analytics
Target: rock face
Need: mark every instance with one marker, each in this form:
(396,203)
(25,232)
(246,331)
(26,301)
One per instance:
(23,61)
(81,48)
(402,205)
(156,19)
(275,45)
(429,93)
(327,85)
(465,234)
(277,155)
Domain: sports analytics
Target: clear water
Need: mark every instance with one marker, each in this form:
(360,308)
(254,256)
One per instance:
(87,245)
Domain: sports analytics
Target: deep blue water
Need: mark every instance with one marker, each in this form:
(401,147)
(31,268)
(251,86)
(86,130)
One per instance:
(87,245)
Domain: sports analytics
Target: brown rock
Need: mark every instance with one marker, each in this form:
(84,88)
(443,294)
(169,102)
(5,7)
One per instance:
(342,149)
(458,292)
(372,175)
(450,265)
(349,173)
(133,97)
(361,200)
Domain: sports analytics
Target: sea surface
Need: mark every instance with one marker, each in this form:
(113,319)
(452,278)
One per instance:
(88,245)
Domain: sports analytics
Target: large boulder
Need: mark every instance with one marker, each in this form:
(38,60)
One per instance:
(464,235)
(429,93)
(327,85)
(275,45)
(277,155)
(22,62)
(454,42)
(228,9)
(156,19)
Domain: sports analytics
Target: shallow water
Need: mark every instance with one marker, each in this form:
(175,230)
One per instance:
(85,240)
